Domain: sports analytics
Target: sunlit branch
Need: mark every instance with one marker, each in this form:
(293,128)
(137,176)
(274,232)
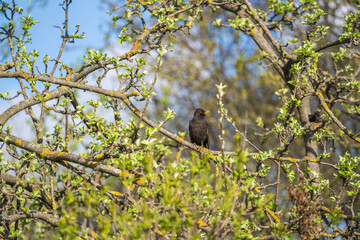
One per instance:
(335,119)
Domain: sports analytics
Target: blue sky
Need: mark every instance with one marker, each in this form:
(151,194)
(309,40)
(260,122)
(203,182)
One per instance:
(88,14)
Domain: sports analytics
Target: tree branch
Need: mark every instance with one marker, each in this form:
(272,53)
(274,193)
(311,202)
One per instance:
(49,218)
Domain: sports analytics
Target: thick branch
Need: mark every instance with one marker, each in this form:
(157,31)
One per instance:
(332,44)
(59,157)
(8,113)
(12,181)
(49,218)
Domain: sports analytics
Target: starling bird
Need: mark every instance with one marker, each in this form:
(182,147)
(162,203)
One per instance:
(199,129)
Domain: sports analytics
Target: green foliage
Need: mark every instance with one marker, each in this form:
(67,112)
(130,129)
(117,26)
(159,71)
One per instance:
(347,165)
(106,164)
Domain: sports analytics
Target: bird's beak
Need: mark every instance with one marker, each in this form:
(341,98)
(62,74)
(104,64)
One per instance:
(206,112)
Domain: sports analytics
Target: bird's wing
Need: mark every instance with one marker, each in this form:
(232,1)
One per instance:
(191,123)
(207,141)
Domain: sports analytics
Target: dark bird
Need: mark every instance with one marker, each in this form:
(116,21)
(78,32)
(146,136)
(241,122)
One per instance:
(199,129)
